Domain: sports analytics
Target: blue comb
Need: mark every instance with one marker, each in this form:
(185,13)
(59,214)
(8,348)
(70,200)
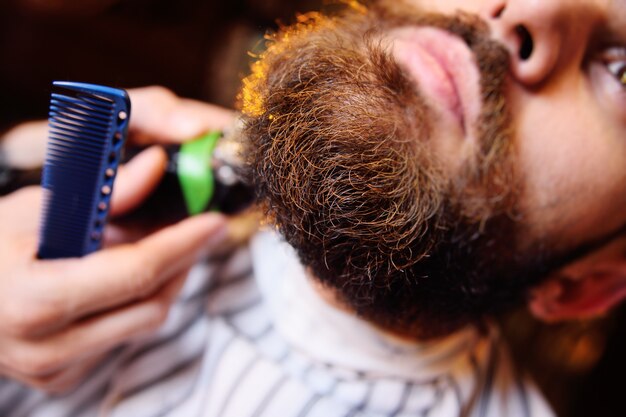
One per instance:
(88,125)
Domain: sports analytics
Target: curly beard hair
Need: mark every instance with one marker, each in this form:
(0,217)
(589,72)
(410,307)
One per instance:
(338,149)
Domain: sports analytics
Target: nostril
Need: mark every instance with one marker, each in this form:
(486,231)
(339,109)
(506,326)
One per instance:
(498,12)
(526,47)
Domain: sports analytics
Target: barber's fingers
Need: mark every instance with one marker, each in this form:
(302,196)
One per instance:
(137,179)
(159,116)
(46,359)
(68,379)
(115,234)
(20,213)
(60,381)
(57,292)
(24,146)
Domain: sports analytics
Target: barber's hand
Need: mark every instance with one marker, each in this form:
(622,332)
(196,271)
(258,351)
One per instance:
(58,318)
(157,117)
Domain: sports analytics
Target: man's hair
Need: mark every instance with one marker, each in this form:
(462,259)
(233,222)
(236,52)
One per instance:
(337,143)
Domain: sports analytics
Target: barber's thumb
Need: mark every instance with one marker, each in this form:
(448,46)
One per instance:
(137,179)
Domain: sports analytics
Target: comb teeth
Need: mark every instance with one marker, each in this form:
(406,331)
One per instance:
(85,138)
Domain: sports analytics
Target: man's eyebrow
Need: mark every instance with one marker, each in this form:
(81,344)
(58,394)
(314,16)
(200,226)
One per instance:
(616,18)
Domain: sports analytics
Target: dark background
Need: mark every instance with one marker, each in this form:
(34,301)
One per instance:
(195,47)
(199,49)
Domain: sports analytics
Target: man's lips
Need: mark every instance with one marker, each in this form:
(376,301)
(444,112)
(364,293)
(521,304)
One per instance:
(444,70)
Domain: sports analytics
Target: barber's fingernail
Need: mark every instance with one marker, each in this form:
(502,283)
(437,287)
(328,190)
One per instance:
(216,225)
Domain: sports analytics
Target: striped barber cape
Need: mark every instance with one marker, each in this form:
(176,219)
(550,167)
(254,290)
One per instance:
(249,337)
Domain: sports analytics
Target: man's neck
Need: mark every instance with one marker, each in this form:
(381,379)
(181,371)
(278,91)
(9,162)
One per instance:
(332,298)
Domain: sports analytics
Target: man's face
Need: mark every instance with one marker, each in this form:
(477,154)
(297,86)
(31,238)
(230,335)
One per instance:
(567,101)
(423,177)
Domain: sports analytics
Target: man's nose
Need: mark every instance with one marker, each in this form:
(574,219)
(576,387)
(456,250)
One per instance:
(541,35)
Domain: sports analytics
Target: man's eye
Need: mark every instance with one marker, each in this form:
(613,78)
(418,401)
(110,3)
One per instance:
(618,69)
(615,61)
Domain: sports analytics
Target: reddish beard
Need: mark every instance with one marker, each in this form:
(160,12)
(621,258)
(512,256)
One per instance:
(339,150)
